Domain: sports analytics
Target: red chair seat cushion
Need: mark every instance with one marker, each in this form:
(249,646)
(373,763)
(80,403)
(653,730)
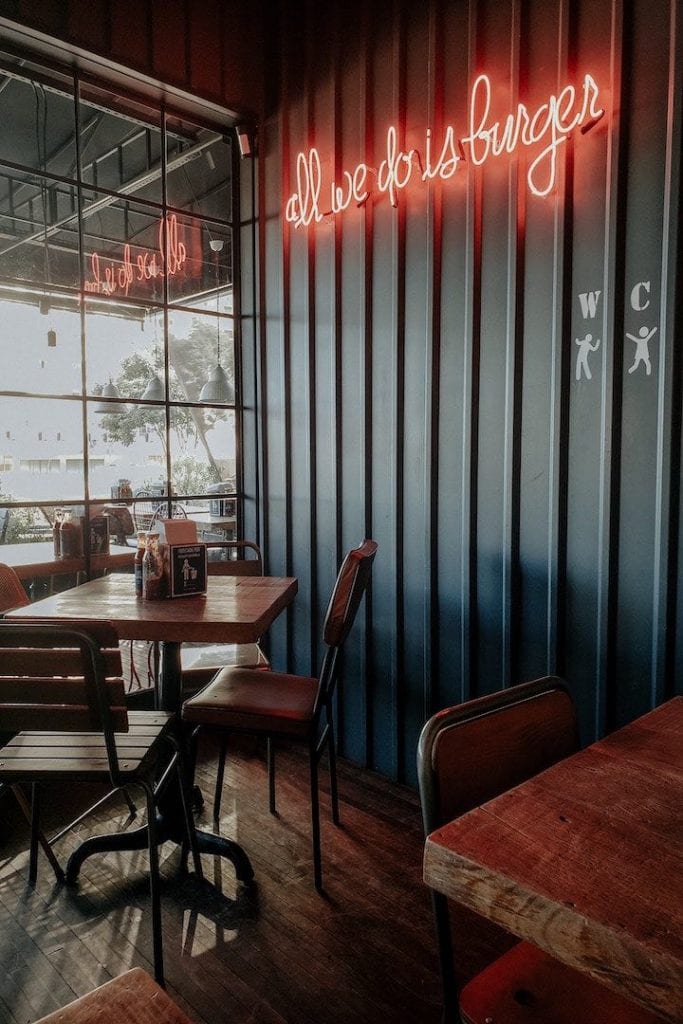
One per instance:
(252,701)
(526,985)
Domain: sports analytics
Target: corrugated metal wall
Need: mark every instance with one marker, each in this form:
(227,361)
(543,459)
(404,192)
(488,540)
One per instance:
(210,48)
(424,369)
(414,372)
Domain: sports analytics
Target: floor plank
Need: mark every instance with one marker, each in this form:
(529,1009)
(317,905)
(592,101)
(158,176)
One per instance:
(362,952)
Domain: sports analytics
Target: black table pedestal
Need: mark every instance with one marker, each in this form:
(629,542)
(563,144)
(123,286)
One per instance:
(170,822)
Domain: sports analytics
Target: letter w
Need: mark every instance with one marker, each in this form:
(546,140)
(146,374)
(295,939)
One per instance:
(589,304)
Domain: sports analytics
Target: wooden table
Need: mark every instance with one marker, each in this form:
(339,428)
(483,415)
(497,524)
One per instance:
(586,861)
(236,609)
(33,560)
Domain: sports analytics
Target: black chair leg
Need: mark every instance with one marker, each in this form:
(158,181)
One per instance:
(315,822)
(35,834)
(220,771)
(332,761)
(27,811)
(270,758)
(154,883)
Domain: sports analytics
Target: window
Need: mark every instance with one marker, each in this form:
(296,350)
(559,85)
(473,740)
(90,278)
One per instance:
(117,297)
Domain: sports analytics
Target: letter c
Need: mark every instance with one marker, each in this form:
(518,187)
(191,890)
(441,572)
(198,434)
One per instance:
(638,300)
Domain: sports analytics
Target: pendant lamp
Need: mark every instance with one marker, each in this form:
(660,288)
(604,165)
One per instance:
(155,391)
(109,391)
(218,390)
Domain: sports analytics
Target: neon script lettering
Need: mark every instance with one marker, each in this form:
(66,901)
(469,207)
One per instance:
(544,130)
(115,276)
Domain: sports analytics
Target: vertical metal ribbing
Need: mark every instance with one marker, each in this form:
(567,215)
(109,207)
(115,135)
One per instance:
(468,494)
(513,368)
(667,498)
(433,334)
(400,425)
(286,337)
(368,223)
(559,390)
(611,387)
(310,89)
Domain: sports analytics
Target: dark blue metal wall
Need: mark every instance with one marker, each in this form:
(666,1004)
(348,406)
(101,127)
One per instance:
(418,366)
(410,373)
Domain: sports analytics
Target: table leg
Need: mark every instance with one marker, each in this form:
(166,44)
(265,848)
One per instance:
(170,823)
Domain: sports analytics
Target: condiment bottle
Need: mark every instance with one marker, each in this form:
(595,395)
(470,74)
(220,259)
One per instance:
(70,536)
(152,569)
(137,561)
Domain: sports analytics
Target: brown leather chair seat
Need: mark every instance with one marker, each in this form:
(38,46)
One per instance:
(268,702)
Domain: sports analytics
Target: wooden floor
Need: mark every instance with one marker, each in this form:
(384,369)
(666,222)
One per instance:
(361,953)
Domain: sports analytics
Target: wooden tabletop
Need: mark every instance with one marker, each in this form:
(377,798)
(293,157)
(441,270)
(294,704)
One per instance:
(586,861)
(30,560)
(235,609)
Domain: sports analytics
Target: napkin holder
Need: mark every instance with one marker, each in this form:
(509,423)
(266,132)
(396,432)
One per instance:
(185,563)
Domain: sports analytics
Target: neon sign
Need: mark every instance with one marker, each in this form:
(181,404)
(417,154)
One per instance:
(145,265)
(544,129)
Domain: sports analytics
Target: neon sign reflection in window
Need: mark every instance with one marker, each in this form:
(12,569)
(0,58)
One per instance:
(544,129)
(116,276)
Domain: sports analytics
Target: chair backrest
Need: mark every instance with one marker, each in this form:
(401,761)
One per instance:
(471,753)
(351,584)
(235,558)
(61,678)
(12,594)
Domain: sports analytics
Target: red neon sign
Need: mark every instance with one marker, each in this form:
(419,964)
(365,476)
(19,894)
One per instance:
(147,264)
(544,129)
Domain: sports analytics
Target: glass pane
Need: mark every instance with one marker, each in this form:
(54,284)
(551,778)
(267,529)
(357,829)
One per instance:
(123,243)
(207,264)
(202,449)
(127,447)
(194,344)
(125,347)
(41,444)
(38,230)
(198,169)
(120,145)
(48,336)
(37,118)
(26,525)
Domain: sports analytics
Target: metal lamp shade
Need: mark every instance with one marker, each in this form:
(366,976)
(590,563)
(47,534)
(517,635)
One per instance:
(109,391)
(218,390)
(154,392)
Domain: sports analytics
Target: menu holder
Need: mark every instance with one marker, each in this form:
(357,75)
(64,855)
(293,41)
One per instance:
(186,569)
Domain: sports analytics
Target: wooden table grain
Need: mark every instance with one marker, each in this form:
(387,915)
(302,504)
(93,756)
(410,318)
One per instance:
(235,609)
(586,861)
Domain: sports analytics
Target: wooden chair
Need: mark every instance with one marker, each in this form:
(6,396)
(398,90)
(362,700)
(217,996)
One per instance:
(467,755)
(62,693)
(297,708)
(132,998)
(13,595)
(200,662)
